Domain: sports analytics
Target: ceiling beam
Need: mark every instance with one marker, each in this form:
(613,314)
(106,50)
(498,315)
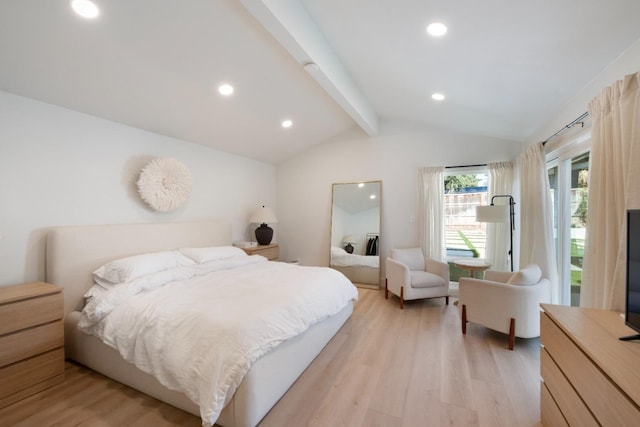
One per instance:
(290,24)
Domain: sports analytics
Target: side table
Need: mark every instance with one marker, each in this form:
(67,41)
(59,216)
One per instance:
(473,265)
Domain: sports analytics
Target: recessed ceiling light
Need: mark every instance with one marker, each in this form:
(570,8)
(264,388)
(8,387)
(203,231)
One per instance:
(361,185)
(438,97)
(373,196)
(225,89)
(85,8)
(437,29)
(287,123)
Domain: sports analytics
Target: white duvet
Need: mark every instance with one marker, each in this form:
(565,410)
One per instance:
(340,258)
(198,329)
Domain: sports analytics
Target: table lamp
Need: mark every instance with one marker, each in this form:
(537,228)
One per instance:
(262,216)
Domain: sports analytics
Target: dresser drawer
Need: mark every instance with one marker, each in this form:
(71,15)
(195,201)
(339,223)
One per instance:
(573,408)
(30,342)
(30,312)
(585,377)
(30,375)
(549,412)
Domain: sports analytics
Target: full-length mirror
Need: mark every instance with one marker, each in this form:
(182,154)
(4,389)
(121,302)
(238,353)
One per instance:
(355,231)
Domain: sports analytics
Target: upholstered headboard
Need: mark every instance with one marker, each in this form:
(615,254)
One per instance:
(73,253)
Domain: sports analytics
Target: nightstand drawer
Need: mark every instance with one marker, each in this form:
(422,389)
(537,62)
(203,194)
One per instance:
(31,375)
(270,252)
(30,312)
(30,342)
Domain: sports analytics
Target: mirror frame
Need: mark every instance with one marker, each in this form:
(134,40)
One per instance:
(358,268)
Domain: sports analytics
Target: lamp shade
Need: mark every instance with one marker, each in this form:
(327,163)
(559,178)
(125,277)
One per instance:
(263,215)
(492,213)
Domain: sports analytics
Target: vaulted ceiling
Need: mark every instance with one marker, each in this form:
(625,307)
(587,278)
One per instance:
(504,66)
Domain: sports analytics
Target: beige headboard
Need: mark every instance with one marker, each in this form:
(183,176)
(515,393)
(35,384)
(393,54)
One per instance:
(74,252)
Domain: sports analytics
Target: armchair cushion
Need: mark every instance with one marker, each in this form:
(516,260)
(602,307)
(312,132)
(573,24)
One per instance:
(424,279)
(497,276)
(410,275)
(530,275)
(411,257)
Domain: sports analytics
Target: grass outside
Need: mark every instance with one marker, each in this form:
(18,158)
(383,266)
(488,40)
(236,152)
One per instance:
(470,241)
(473,242)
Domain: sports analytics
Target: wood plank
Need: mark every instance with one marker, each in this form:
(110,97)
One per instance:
(345,384)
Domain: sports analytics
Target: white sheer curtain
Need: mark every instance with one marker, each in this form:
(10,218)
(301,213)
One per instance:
(614,186)
(432,212)
(497,244)
(536,216)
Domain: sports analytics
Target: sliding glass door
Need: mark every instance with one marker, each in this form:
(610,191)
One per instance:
(569,184)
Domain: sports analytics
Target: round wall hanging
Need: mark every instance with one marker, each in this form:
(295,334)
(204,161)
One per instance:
(165,184)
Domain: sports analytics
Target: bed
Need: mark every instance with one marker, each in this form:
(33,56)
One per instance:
(73,253)
(361,269)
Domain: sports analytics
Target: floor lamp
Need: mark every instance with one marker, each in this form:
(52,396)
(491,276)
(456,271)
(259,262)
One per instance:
(499,213)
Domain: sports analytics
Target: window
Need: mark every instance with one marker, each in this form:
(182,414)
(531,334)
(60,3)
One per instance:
(464,236)
(569,180)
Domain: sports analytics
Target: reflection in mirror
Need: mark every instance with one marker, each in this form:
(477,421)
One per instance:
(355,232)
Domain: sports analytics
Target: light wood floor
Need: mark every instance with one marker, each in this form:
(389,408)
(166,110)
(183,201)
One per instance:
(385,367)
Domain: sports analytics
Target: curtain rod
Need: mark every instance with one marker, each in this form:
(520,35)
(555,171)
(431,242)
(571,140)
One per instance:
(466,166)
(579,120)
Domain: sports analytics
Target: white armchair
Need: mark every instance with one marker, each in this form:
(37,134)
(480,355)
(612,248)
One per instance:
(412,276)
(505,302)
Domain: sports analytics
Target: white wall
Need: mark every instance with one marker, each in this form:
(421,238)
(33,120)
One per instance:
(60,167)
(304,182)
(627,63)
(338,225)
(361,223)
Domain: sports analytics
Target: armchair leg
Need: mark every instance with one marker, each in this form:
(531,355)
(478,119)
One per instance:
(386,289)
(447,299)
(512,333)
(401,297)
(464,318)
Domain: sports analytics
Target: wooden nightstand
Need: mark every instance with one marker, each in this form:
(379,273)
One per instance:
(271,252)
(31,340)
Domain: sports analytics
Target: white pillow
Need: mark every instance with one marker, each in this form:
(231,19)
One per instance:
(213,253)
(95,291)
(530,275)
(125,269)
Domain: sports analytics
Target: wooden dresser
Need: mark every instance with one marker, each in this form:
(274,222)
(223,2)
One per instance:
(271,252)
(589,377)
(31,340)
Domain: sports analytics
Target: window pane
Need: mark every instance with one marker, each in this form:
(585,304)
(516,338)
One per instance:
(464,236)
(553,185)
(579,201)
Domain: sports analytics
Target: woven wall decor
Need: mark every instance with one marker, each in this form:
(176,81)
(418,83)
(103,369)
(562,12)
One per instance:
(165,184)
